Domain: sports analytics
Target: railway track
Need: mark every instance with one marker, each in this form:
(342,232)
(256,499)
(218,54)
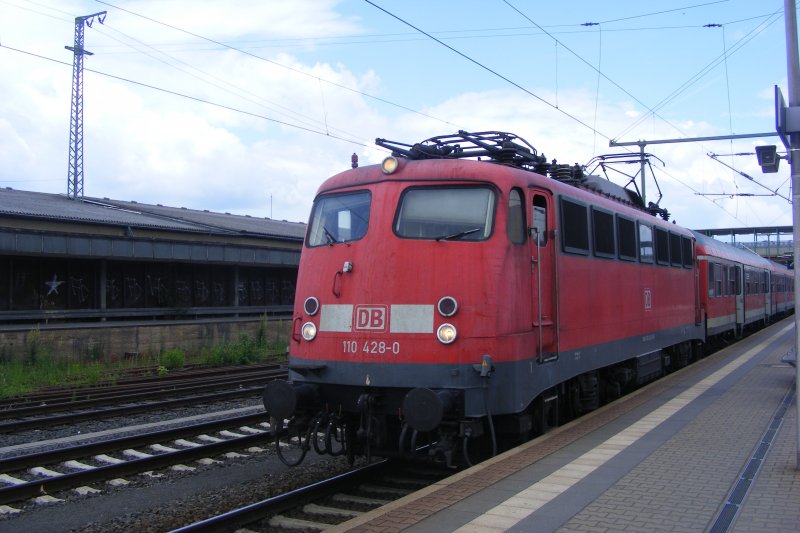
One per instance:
(126,399)
(324,504)
(311,509)
(43,474)
(203,378)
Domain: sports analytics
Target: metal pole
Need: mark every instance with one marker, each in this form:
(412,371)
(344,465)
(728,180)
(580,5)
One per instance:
(75,167)
(642,144)
(695,139)
(793,69)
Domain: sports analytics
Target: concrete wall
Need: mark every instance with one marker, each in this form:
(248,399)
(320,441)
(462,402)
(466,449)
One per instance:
(141,341)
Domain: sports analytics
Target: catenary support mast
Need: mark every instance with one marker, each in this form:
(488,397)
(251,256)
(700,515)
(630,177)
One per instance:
(793,69)
(75,170)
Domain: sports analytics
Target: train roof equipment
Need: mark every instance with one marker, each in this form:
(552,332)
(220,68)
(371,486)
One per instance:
(512,150)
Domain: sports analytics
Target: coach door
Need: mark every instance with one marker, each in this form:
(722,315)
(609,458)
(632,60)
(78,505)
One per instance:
(545,275)
(739,299)
(765,288)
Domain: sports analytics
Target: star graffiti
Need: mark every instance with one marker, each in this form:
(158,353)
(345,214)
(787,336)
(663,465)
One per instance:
(53,285)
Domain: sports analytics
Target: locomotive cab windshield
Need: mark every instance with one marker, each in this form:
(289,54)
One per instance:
(446,213)
(339,218)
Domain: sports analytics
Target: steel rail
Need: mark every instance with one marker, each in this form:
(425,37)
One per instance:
(134,382)
(32,489)
(257,511)
(21,462)
(148,393)
(38,423)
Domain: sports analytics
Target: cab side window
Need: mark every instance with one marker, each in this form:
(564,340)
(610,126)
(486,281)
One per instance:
(539,227)
(515,225)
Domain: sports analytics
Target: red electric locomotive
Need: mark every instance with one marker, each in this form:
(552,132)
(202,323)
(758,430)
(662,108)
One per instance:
(466,291)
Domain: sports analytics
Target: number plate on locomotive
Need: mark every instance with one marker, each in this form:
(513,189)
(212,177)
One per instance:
(371,347)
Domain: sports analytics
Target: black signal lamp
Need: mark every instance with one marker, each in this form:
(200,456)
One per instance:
(768,158)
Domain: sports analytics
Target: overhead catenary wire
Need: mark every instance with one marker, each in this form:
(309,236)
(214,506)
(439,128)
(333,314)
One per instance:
(253,98)
(527,91)
(194,98)
(298,71)
(716,158)
(454,32)
(599,73)
(488,69)
(586,62)
(476,33)
(220,83)
(555,106)
(771,19)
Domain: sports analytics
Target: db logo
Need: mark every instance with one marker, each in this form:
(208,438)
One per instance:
(371,318)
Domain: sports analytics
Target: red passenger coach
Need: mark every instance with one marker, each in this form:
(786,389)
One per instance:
(739,288)
(467,293)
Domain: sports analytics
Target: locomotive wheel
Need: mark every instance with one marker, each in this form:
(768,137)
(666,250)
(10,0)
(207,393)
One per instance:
(291,443)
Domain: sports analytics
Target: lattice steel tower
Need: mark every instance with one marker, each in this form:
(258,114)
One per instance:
(75,171)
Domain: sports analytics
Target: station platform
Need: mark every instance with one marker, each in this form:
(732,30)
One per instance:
(711,447)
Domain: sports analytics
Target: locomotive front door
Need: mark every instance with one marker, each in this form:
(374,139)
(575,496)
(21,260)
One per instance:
(545,278)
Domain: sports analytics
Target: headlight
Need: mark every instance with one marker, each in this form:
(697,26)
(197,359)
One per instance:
(389,165)
(309,331)
(447,306)
(446,333)
(311,306)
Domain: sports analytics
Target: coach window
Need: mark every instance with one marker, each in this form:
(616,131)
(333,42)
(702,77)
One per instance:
(515,223)
(719,278)
(603,233)
(688,249)
(626,236)
(725,287)
(675,250)
(575,224)
(662,246)
(711,283)
(339,218)
(732,280)
(645,243)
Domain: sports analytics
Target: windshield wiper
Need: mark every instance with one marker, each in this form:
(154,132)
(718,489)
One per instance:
(457,236)
(329,236)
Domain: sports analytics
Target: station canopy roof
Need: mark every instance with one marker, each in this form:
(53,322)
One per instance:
(130,214)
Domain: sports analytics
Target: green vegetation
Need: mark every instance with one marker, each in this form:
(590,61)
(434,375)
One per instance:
(17,378)
(40,368)
(172,359)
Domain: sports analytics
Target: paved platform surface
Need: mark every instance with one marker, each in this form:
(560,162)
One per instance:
(709,448)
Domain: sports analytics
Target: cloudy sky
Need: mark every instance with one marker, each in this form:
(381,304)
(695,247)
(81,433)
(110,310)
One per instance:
(247,106)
